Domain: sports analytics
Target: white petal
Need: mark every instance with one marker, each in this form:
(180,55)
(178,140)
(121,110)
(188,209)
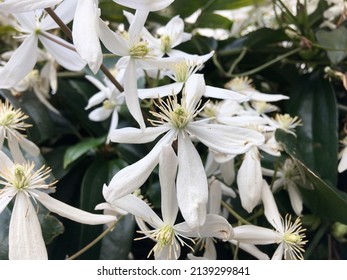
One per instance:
(5,162)
(210,250)
(87,43)
(278,255)
(250,180)
(220,93)
(97,83)
(114,123)
(194,89)
(25,236)
(96,99)
(133,176)
(215,197)
(29,146)
(65,11)
(67,58)
(255,235)
(251,249)
(112,41)
(174,29)
(192,187)
(270,208)
(343,162)
(130,92)
(20,64)
(6,197)
(215,226)
(169,252)
(15,150)
(72,213)
(135,135)
(99,114)
(26,21)
(170,89)
(227,170)
(258,96)
(22,6)
(136,26)
(140,209)
(295,197)
(167,175)
(147,5)
(225,139)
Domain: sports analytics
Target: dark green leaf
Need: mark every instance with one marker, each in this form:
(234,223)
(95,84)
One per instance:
(98,173)
(323,200)
(75,152)
(211,20)
(5,217)
(263,37)
(335,42)
(313,99)
(51,227)
(117,244)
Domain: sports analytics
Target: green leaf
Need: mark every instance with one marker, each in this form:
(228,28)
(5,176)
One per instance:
(51,227)
(5,218)
(336,43)
(75,152)
(98,173)
(312,98)
(263,37)
(323,200)
(214,21)
(117,244)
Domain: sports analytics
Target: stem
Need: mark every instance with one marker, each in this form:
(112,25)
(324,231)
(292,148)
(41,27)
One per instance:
(316,239)
(237,60)
(267,64)
(68,33)
(236,215)
(96,240)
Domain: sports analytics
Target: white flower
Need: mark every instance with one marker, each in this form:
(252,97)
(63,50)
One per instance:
(244,85)
(34,27)
(11,123)
(26,185)
(111,100)
(168,235)
(288,176)
(285,122)
(177,121)
(289,235)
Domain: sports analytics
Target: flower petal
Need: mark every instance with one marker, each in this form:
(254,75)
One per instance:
(167,175)
(295,197)
(162,91)
(220,93)
(67,58)
(270,208)
(146,5)
(29,146)
(194,89)
(87,43)
(192,187)
(96,99)
(5,197)
(250,180)
(133,176)
(255,235)
(22,6)
(70,212)
(225,139)
(136,26)
(343,162)
(20,64)
(5,162)
(25,236)
(135,135)
(251,249)
(99,114)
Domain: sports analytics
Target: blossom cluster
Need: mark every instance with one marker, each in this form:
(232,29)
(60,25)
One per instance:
(235,126)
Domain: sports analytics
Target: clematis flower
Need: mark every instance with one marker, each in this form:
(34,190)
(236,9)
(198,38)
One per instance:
(146,5)
(288,176)
(343,156)
(11,123)
(111,100)
(34,27)
(288,235)
(26,186)
(176,120)
(169,235)
(244,85)
(23,6)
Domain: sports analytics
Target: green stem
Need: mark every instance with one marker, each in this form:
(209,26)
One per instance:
(316,239)
(237,60)
(236,215)
(96,240)
(267,64)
